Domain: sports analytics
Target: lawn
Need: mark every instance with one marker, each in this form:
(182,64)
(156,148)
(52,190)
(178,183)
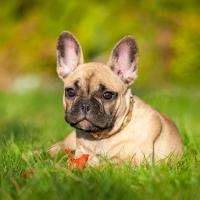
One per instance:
(30,122)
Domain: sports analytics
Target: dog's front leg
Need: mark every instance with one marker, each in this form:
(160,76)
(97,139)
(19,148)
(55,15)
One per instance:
(145,151)
(68,142)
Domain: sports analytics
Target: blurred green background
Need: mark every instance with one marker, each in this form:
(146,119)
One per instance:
(32,116)
(167,32)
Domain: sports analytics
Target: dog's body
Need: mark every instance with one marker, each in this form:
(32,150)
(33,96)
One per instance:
(110,122)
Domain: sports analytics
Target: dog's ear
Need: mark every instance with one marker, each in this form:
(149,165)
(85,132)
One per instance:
(69,54)
(123,59)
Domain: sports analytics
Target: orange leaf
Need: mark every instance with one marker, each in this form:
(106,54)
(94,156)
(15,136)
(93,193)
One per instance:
(77,162)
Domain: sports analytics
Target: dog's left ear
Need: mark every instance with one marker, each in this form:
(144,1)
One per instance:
(123,59)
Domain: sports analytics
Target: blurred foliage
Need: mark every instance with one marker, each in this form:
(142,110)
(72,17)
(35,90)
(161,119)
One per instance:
(167,31)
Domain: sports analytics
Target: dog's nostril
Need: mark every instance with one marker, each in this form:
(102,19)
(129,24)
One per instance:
(87,108)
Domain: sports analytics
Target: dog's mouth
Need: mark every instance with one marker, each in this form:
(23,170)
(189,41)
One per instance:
(87,125)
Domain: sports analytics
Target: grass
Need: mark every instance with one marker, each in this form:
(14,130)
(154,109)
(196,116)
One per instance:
(31,122)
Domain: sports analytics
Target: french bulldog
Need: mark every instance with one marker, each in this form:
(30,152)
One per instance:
(109,120)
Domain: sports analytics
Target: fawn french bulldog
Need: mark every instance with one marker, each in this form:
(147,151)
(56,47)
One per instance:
(109,121)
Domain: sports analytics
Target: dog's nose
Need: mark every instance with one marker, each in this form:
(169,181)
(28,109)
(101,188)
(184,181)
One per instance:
(85,107)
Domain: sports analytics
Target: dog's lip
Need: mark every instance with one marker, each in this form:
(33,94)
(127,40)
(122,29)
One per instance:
(80,120)
(85,119)
(85,122)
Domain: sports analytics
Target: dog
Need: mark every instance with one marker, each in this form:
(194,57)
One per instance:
(109,120)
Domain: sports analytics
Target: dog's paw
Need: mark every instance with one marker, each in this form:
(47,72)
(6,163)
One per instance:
(54,149)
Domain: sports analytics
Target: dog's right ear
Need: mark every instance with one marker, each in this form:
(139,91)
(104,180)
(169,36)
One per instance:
(69,54)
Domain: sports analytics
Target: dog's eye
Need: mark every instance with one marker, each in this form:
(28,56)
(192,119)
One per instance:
(108,95)
(70,92)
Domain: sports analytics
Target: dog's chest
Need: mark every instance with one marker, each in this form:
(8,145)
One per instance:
(121,146)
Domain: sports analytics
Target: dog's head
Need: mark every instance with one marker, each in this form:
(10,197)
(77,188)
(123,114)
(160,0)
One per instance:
(94,93)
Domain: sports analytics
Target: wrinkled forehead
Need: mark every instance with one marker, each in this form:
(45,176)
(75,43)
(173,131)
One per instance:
(91,76)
